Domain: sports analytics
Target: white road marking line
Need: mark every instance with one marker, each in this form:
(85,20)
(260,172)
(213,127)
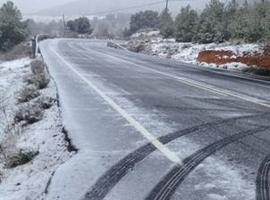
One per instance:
(203,86)
(179,79)
(172,156)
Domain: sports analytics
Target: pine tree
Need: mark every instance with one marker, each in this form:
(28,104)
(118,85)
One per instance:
(212,26)
(83,25)
(185,23)
(262,13)
(80,25)
(142,20)
(239,26)
(12,29)
(232,11)
(166,24)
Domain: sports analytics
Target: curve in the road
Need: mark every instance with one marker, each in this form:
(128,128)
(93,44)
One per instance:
(262,182)
(108,180)
(167,186)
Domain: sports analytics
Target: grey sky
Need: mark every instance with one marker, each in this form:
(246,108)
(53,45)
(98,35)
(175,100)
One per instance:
(32,6)
(91,6)
(29,6)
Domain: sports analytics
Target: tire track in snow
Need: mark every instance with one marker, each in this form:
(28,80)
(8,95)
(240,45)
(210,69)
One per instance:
(110,178)
(168,185)
(262,181)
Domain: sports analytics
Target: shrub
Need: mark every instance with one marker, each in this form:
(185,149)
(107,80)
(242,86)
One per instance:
(29,113)
(19,157)
(28,93)
(38,67)
(40,77)
(45,102)
(41,81)
(12,156)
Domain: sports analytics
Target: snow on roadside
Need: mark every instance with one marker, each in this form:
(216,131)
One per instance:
(30,181)
(153,44)
(9,71)
(188,52)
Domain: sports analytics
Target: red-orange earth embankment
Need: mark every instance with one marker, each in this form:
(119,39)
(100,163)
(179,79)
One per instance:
(221,57)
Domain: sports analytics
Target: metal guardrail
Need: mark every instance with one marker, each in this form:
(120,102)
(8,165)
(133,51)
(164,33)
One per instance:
(38,38)
(115,45)
(37,46)
(35,43)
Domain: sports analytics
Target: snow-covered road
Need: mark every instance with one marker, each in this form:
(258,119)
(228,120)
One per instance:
(120,108)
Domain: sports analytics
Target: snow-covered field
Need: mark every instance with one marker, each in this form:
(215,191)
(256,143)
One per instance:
(29,181)
(153,44)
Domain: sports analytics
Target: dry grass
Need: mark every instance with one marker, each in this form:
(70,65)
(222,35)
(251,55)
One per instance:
(20,51)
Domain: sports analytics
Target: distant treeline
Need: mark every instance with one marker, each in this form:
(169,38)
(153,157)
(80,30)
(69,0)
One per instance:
(218,22)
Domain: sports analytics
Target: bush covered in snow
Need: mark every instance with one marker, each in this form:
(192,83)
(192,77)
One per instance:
(28,93)
(37,67)
(19,157)
(34,103)
(40,81)
(10,155)
(39,77)
(29,113)
(45,102)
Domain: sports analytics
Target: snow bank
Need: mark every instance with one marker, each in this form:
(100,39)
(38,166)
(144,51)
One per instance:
(30,181)
(188,52)
(151,43)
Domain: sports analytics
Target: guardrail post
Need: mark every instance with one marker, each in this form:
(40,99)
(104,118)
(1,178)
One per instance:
(34,47)
(37,45)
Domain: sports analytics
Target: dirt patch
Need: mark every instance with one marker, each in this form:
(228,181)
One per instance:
(220,57)
(217,57)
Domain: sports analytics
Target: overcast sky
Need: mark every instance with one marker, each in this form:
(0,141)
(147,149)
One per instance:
(32,6)
(88,6)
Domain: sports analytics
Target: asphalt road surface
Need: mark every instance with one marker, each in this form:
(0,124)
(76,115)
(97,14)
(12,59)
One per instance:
(157,129)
